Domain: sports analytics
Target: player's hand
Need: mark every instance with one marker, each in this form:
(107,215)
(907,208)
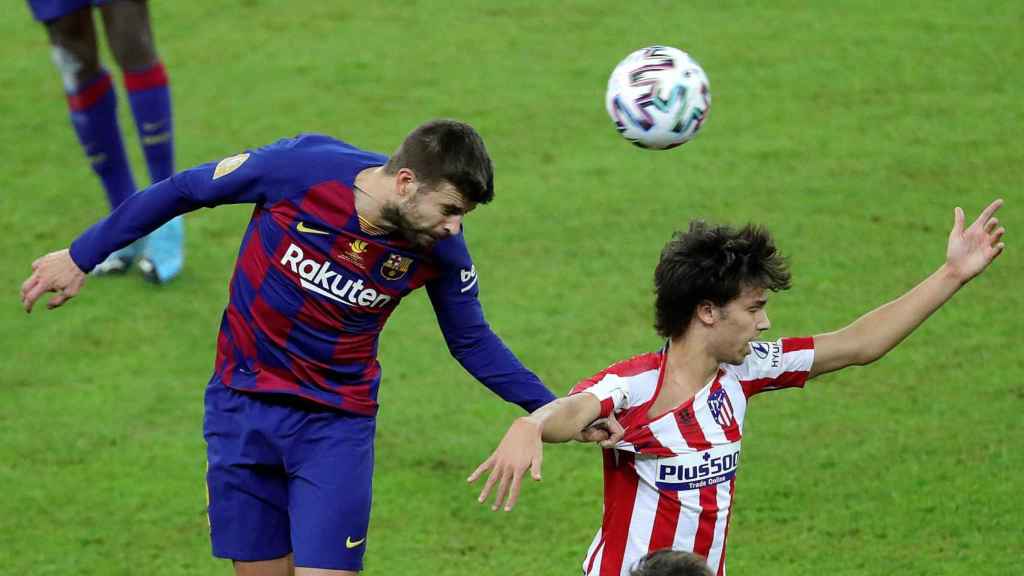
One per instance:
(521,448)
(55,272)
(971,250)
(605,431)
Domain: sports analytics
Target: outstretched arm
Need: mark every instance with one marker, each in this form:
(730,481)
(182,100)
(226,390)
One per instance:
(968,253)
(454,294)
(521,448)
(231,180)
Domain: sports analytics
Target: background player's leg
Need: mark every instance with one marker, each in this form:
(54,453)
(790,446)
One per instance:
(130,36)
(323,572)
(93,105)
(276,567)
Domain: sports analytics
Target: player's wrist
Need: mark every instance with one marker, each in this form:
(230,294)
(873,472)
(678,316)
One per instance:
(66,254)
(531,422)
(952,274)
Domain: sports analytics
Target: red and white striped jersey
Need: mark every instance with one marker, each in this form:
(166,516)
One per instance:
(669,483)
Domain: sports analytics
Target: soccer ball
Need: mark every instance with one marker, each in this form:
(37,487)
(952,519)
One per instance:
(658,97)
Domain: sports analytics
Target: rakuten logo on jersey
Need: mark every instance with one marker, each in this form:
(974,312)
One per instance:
(320,278)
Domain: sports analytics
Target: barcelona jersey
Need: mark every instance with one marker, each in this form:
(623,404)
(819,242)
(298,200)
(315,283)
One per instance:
(313,283)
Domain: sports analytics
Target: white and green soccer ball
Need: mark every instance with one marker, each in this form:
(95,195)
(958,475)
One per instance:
(658,97)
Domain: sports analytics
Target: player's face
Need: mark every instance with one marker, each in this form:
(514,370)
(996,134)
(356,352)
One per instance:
(425,215)
(743,320)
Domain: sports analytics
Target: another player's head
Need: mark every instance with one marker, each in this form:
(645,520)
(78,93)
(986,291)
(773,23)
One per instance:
(668,562)
(442,171)
(711,283)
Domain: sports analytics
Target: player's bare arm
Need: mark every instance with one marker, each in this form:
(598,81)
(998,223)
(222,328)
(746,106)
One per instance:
(522,447)
(604,431)
(55,272)
(968,253)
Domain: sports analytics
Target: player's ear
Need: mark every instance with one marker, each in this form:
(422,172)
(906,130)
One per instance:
(706,313)
(405,183)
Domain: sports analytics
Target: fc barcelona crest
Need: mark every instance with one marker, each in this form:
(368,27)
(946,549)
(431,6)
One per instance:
(395,266)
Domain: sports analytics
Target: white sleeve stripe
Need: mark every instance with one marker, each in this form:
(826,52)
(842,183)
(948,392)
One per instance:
(798,360)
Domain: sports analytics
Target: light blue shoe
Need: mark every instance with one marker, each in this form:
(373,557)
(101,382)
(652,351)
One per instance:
(120,260)
(164,253)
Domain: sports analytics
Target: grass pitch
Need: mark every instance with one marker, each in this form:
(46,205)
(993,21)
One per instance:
(851,129)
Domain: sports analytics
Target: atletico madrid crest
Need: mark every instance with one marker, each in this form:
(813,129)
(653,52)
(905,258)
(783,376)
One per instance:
(721,408)
(395,266)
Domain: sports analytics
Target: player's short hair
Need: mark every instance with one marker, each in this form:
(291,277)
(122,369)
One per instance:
(712,263)
(668,562)
(447,151)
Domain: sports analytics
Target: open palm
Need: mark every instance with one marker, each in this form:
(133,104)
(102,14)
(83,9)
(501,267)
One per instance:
(971,250)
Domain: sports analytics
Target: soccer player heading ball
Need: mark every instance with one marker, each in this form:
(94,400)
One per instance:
(337,238)
(669,482)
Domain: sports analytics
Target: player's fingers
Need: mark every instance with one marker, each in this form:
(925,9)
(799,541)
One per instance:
(616,429)
(535,467)
(958,220)
(28,284)
(989,210)
(593,434)
(37,262)
(57,300)
(615,432)
(486,491)
(997,235)
(483,467)
(499,495)
(513,492)
(991,225)
(33,294)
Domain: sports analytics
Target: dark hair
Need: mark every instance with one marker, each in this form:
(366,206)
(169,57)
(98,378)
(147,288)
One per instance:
(715,264)
(447,151)
(668,562)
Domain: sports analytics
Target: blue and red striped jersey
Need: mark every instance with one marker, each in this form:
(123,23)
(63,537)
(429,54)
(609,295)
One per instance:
(313,286)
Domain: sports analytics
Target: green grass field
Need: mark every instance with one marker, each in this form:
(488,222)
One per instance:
(850,128)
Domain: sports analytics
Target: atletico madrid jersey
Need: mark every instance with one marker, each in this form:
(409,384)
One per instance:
(314,283)
(670,482)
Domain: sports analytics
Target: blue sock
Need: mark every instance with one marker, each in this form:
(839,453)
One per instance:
(150,99)
(94,117)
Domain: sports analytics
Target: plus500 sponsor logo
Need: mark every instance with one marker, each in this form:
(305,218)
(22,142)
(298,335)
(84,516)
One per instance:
(318,277)
(707,471)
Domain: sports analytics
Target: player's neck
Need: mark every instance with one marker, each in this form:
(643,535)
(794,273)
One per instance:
(687,370)
(372,189)
(689,365)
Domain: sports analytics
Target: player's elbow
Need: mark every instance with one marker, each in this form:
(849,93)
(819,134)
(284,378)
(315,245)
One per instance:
(864,355)
(462,348)
(854,347)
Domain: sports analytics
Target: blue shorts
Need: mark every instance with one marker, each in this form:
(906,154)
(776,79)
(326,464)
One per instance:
(47,10)
(287,476)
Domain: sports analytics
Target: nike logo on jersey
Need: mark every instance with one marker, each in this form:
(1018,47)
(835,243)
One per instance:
(350,543)
(468,276)
(301,227)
